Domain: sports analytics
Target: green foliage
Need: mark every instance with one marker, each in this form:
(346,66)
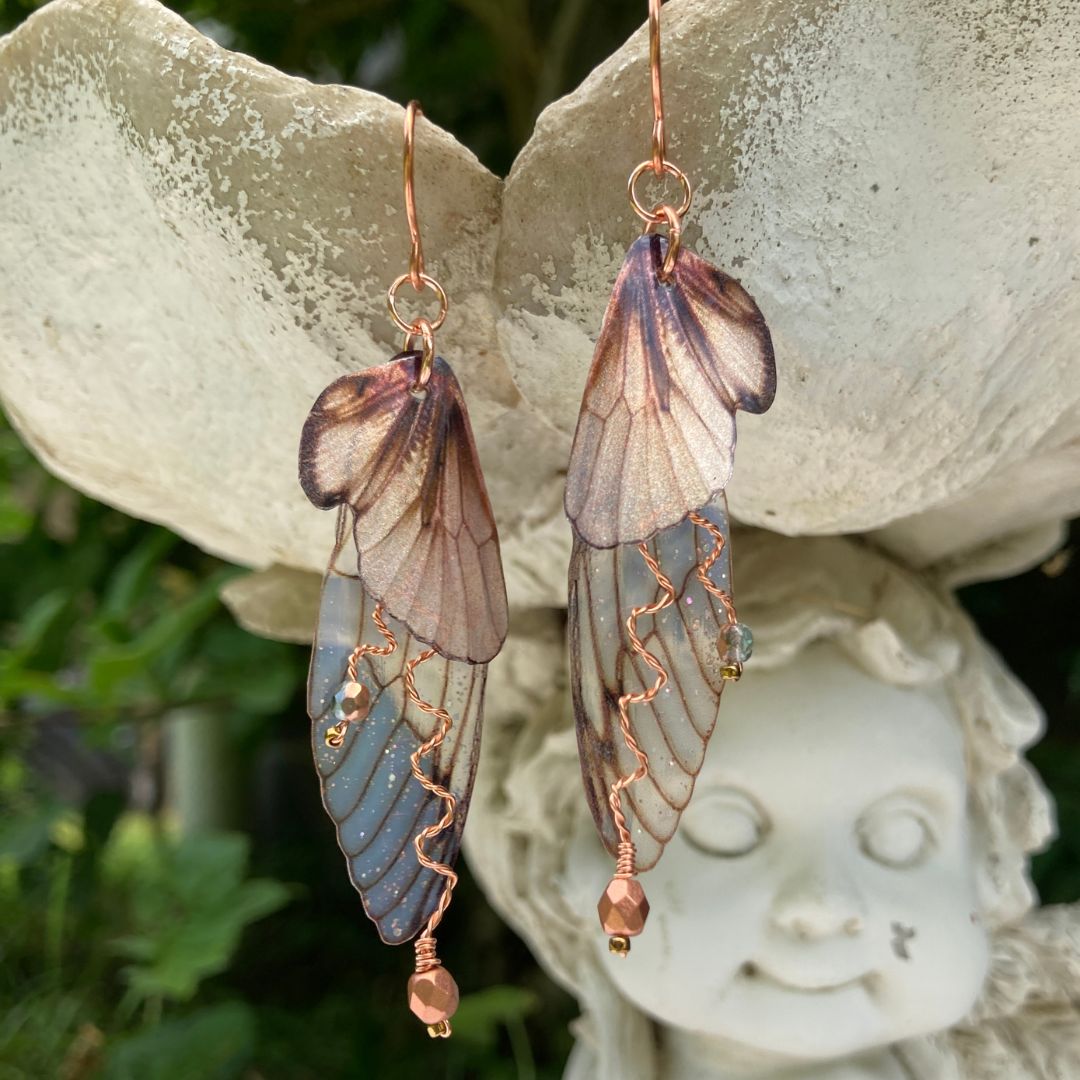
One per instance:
(83,892)
(211,1044)
(185,903)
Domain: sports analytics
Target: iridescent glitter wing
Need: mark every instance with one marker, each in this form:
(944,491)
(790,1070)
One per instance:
(368,787)
(673,729)
(674,361)
(407,465)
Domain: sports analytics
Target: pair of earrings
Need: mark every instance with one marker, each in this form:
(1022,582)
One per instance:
(414,604)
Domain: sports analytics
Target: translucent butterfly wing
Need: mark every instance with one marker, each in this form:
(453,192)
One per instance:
(425,536)
(368,788)
(673,362)
(605,584)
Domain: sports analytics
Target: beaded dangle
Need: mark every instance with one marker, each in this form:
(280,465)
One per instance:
(396,720)
(682,347)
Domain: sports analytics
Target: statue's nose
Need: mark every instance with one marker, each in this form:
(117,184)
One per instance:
(818,898)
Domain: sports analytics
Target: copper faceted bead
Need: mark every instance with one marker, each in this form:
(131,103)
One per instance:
(352,701)
(623,908)
(433,995)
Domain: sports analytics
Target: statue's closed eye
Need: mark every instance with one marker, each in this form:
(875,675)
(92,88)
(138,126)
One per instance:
(724,823)
(895,833)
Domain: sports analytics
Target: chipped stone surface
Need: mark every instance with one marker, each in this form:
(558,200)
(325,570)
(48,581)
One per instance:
(193,245)
(280,602)
(897,185)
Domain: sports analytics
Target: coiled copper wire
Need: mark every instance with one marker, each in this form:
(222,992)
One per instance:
(625,866)
(709,561)
(446,722)
(365,649)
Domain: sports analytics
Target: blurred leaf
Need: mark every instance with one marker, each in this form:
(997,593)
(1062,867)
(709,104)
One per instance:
(215,1042)
(482,1014)
(186,901)
(37,621)
(258,676)
(23,838)
(134,574)
(111,665)
(15,520)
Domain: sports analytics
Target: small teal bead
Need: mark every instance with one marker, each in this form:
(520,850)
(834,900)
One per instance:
(736,643)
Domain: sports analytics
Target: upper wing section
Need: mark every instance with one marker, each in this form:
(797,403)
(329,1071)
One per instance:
(407,465)
(656,434)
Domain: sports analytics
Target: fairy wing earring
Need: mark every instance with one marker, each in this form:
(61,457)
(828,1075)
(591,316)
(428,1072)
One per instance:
(654,633)
(413,609)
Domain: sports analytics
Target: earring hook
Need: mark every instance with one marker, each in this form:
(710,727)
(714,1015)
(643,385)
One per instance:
(416,251)
(659,135)
(662,213)
(419,328)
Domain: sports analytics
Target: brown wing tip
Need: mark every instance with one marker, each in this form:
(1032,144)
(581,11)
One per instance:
(309,439)
(323,414)
(739,306)
(337,404)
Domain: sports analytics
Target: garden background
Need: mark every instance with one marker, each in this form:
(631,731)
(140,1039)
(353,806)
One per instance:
(172,901)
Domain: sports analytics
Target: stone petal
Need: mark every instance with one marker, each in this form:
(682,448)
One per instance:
(895,185)
(193,245)
(280,603)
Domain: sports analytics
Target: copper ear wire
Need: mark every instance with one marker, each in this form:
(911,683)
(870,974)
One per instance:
(419,328)
(662,213)
(416,250)
(707,564)
(659,135)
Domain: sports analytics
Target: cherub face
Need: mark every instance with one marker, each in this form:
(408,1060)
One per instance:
(819,897)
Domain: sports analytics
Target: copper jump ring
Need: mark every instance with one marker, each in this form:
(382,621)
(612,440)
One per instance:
(655,216)
(414,327)
(674,224)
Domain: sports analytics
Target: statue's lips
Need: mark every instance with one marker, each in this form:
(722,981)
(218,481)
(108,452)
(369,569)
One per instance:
(751,972)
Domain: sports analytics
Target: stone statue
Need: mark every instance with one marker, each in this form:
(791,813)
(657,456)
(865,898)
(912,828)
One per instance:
(192,245)
(847,894)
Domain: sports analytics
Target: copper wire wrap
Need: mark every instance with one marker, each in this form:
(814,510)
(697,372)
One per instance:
(425,954)
(625,866)
(335,734)
(425,944)
(416,276)
(372,650)
(707,564)
(658,163)
(625,863)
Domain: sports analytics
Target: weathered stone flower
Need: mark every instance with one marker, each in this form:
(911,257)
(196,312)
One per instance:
(192,245)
